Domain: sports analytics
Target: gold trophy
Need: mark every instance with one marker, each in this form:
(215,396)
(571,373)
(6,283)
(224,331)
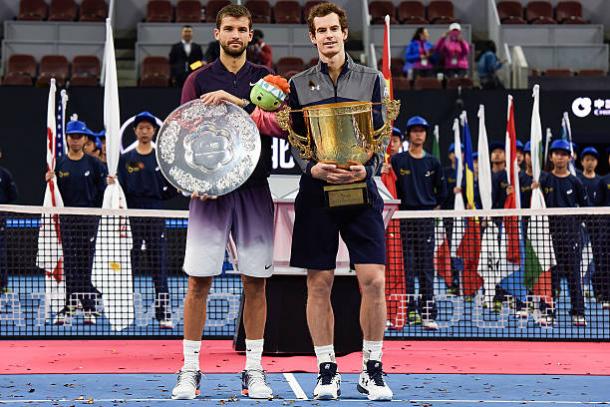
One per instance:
(341,134)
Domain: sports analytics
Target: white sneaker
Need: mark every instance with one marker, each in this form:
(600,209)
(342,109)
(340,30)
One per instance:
(187,386)
(579,320)
(546,320)
(606,305)
(430,325)
(254,384)
(328,386)
(372,384)
(89,318)
(166,324)
(521,314)
(63,317)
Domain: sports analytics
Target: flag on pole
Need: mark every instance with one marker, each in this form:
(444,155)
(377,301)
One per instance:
(470,246)
(386,59)
(112,274)
(458,223)
(547,144)
(49,256)
(566,134)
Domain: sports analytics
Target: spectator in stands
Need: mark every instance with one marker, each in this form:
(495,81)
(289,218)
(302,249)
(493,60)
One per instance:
(564,190)
(146,188)
(182,55)
(420,185)
(213,52)
(258,51)
(488,66)
(8,194)
(453,52)
(418,55)
(81,180)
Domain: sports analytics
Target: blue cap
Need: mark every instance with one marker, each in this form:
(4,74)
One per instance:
(527,148)
(77,127)
(396,132)
(589,151)
(475,156)
(145,116)
(452,147)
(100,134)
(562,145)
(495,145)
(417,121)
(519,145)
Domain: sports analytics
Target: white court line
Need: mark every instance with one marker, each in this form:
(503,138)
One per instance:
(556,402)
(295,386)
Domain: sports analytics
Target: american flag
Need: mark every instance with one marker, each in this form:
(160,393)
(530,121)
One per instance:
(60,138)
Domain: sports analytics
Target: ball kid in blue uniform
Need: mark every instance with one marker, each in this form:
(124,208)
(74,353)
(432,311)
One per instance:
(420,185)
(81,180)
(450,175)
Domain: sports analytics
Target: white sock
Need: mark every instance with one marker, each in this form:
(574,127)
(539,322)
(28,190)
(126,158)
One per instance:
(371,350)
(325,354)
(254,353)
(191,354)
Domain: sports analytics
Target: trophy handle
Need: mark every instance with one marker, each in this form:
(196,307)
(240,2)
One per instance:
(295,139)
(392,109)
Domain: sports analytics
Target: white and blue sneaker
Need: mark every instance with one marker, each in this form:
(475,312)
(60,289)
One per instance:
(372,383)
(254,384)
(187,386)
(328,386)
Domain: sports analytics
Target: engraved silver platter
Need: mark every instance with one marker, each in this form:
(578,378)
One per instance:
(208,149)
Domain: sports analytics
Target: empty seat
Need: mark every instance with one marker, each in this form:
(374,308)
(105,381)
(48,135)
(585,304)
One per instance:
(213,7)
(427,83)
(569,12)
(85,71)
(539,12)
(441,12)
(558,73)
(63,10)
(412,12)
(511,12)
(155,72)
(287,12)
(464,83)
(287,64)
(17,79)
(378,9)
(53,66)
(188,11)
(308,6)
(23,64)
(93,10)
(591,72)
(260,10)
(401,83)
(396,65)
(32,10)
(159,11)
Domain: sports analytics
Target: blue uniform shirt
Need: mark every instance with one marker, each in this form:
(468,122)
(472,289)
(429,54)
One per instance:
(605,192)
(525,184)
(563,192)
(81,182)
(594,188)
(420,182)
(144,185)
(499,183)
(8,189)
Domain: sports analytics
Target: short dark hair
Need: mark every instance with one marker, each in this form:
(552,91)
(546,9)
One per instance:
(235,11)
(324,9)
(187,26)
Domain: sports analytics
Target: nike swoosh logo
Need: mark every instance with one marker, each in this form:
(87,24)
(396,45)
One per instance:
(268,267)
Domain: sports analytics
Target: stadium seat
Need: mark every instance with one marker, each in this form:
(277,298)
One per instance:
(260,10)
(159,11)
(412,12)
(569,12)
(155,72)
(213,7)
(441,12)
(287,64)
(32,10)
(591,72)
(378,9)
(539,12)
(511,12)
(396,65)
(17,79)
(93,10)
(188,11)
(63,10)
(22,64)
(287,12)
(464,83)
(308,6)
(427,83)
(85,71)
(558,73)
(53,66)
(401,83)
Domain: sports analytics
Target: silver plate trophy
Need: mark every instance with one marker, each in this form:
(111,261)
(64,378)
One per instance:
(208,149)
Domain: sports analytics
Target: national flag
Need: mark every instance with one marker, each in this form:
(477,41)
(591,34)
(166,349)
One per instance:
(566,134)
(49,256)
(112,274)
(547,144)
(470,246)
(386,59)
(458,223)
